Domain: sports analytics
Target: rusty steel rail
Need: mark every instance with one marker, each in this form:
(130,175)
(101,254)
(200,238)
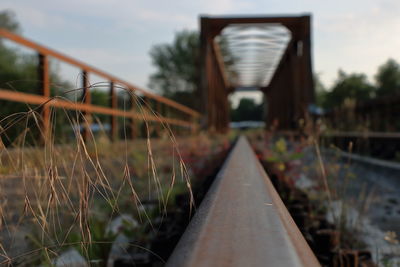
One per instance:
(242,221)
(188,116)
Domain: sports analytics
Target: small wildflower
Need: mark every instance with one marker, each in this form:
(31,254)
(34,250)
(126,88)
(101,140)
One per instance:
(280,146)
(281,166)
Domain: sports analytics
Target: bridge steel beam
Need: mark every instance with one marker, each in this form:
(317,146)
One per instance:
(291,88)
(213,83)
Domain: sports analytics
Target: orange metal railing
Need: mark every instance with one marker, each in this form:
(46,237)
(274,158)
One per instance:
(187,117)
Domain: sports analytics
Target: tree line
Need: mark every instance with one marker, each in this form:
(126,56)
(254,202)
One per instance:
(357,87)
(177,77)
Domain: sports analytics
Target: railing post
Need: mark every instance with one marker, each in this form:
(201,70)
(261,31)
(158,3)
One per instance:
(132,120)
(86,99)
(114,105)
(44,78)
(158,112)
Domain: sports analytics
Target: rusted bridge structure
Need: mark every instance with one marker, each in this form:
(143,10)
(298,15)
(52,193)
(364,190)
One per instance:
(269,53)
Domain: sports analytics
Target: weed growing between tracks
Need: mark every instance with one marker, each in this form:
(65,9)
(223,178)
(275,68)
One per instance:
(85,194)
(317,193)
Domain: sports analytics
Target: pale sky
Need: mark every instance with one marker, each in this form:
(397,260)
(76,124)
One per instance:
(116,36)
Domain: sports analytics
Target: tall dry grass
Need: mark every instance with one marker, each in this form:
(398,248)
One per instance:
(53,193)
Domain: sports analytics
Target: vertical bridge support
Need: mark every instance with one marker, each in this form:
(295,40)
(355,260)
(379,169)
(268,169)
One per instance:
(291,89)
(213,84)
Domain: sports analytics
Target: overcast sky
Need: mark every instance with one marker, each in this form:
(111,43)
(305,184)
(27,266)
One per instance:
(116,36)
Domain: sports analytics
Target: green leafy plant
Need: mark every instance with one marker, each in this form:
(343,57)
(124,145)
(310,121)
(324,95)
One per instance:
(96,250)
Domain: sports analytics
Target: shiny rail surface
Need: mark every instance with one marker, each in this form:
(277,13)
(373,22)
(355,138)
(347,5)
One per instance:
(242,221)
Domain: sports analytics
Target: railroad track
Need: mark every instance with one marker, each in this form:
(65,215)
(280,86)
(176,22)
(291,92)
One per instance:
(242,221)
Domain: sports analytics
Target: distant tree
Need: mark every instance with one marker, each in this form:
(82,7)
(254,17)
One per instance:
(320,91)
(349,86)
(178,67)
(177,64)
(19,72)
(247,110)
(9,22)
(100,98)
(388,78)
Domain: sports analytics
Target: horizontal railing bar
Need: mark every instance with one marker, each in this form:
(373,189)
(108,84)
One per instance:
(58,102)
(49,52)
(242,221)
